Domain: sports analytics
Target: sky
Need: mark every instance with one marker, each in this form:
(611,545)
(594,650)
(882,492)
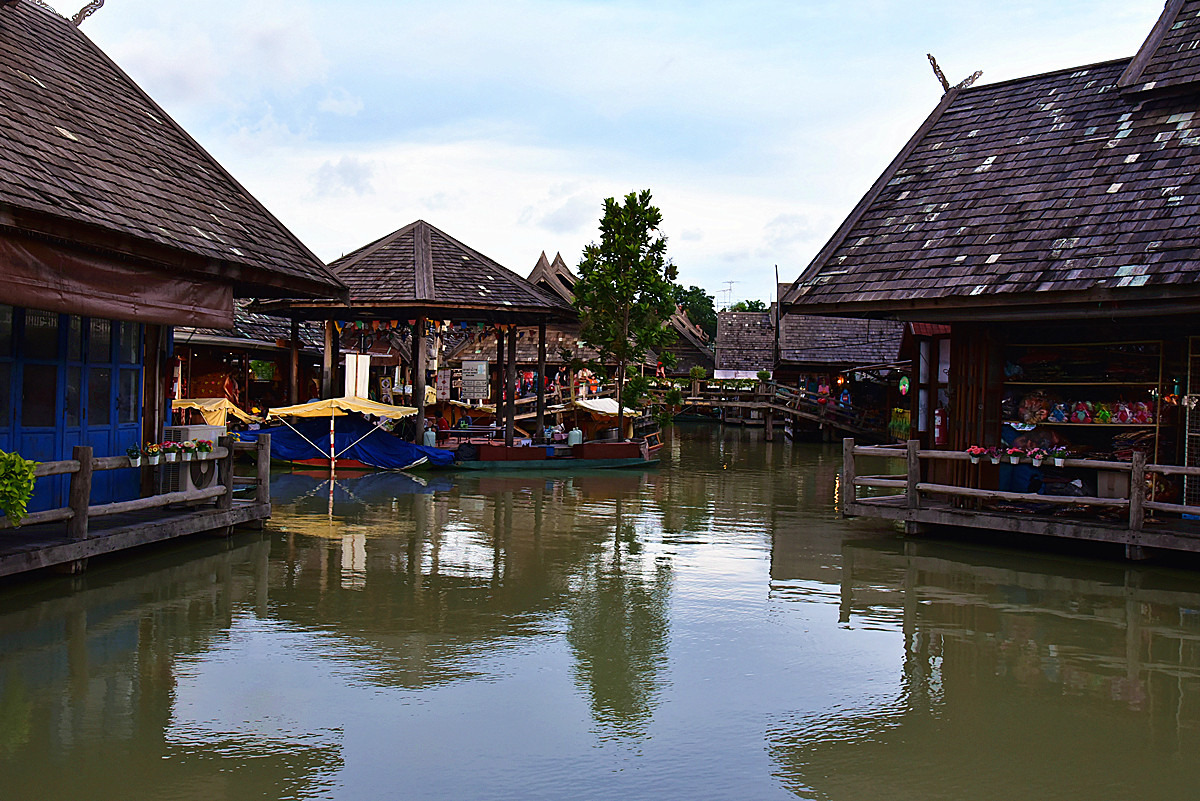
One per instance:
(756,125)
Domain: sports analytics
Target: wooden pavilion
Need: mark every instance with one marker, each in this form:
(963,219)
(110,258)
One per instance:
(1048,221)
(418,275)
(115,226)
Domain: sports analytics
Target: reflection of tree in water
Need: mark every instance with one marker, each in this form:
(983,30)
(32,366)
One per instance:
(618,632)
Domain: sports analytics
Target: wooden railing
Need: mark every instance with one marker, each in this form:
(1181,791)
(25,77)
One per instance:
(916,492)
(82,466)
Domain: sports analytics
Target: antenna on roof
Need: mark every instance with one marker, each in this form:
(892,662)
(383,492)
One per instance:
(729,293)
(86,11)
(941,76)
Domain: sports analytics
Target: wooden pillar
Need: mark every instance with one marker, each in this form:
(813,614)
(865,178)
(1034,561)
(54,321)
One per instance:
(914,474)
(540,426)
(329,362)
(225,473)
(499,379)
(294,362)
(80,493)
(510,381)
(262,464)
(418,383)
(769,419)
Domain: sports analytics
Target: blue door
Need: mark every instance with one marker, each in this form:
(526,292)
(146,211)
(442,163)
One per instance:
(67,381)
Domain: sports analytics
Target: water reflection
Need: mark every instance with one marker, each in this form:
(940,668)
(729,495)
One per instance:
(1020,676)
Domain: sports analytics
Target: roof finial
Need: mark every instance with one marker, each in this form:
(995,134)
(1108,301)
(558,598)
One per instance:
(86,11)
(941,76)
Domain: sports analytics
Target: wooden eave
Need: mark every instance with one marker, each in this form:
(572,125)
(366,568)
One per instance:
(482,313)
(248,280)
(1130,81)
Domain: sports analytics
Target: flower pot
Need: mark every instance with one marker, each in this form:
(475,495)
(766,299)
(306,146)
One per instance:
(187,457)
(151,460)
(1037,462)
(1058,462)
(202,455)
(1015,459)
(995,460)
(974,460)
(135,462)
(169,457)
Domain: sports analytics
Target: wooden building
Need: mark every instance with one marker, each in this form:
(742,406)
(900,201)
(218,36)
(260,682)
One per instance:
(115,226)
(745,344)
(1048,221)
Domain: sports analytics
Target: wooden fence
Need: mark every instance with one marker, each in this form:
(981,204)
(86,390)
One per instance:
(82,466)
(917,496)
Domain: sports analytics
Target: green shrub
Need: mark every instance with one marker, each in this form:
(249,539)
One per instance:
(16,486)
(698,373)
(673,397)
(764,376)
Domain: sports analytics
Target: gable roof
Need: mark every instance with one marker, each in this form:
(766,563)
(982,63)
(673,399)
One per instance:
(89,158)
(745,341)
(1052,195)
(1169,59)
(554,277)
(809,339)
(420,270)
(253,330)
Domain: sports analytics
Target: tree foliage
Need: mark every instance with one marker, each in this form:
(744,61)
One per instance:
(749,306)
(626,289)
(700,307)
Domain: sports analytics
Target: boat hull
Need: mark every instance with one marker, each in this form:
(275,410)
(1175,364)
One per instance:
(562,463)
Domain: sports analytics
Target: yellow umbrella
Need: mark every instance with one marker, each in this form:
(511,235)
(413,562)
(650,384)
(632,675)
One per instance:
(215,411)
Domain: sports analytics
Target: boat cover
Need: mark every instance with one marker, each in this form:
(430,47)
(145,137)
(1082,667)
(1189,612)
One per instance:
(378,448)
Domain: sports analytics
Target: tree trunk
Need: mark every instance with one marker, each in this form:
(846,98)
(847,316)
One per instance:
(624,357)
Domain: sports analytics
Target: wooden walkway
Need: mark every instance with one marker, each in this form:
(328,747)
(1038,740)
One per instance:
(66,538)
(48,545)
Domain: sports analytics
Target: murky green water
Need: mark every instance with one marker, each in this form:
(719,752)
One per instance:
(710,630)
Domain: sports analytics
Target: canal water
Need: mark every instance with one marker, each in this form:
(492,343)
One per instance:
(707,630)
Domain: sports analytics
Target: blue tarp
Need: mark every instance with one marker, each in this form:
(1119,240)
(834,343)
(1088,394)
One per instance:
(379,448)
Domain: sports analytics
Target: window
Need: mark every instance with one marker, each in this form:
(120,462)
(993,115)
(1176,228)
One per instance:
(39,396)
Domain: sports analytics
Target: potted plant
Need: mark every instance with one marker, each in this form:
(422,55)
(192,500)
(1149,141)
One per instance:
(135,456)
(697,374)
(16,486)
(1037,455)
(204,448)
(993,455)
(187,449)
(763,377)
(152,451)
(170,451)
(975,452)
(1015,454)
(1059,454)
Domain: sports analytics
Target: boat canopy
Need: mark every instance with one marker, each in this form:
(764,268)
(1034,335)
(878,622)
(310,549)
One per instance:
(607,407)
(215,411)
(339,407)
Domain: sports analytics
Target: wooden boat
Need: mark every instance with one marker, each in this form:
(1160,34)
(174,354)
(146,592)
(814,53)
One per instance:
(584,456)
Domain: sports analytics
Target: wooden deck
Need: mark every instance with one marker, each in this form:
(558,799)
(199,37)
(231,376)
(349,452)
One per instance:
(67,538)
(46,545)
(1131,520)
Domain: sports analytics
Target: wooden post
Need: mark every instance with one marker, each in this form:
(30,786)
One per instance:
(540,425)
(225,473)
(769,417)
(510,413)
(329,361)
(1137,492)
(262,463)
(849,474)
(418,384)
(80,493)
(294,371)
(914,474)
(499,421)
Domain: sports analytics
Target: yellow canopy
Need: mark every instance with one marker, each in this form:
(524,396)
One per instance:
(215,411)
(486,408)
(338,407)
(607,407)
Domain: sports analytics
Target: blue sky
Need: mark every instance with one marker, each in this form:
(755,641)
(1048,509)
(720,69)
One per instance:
(757,125)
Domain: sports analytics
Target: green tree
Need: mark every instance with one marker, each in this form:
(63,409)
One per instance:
(700,307)
(626,287)
(749,306)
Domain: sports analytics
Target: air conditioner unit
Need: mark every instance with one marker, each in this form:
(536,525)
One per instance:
(197,473)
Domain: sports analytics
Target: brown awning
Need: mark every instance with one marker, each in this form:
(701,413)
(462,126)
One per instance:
(58,278)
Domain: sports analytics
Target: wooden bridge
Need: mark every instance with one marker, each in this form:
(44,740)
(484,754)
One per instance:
(779,403)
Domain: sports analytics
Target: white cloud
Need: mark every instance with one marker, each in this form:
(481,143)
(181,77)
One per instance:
(341,103)
(348,175)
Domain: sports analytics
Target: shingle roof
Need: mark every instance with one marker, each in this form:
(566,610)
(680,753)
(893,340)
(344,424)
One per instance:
(1050,189)
(85,146)
(808,339)
(1169,60)
(255,329)
(421,266)
(745,341)
(554,277)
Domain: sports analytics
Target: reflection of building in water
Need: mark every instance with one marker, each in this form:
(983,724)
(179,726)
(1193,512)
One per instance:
(1029,678)
(117,645)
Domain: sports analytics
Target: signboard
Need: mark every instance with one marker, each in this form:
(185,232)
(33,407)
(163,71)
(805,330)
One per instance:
(443,385)
(476,381)
(386,386)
